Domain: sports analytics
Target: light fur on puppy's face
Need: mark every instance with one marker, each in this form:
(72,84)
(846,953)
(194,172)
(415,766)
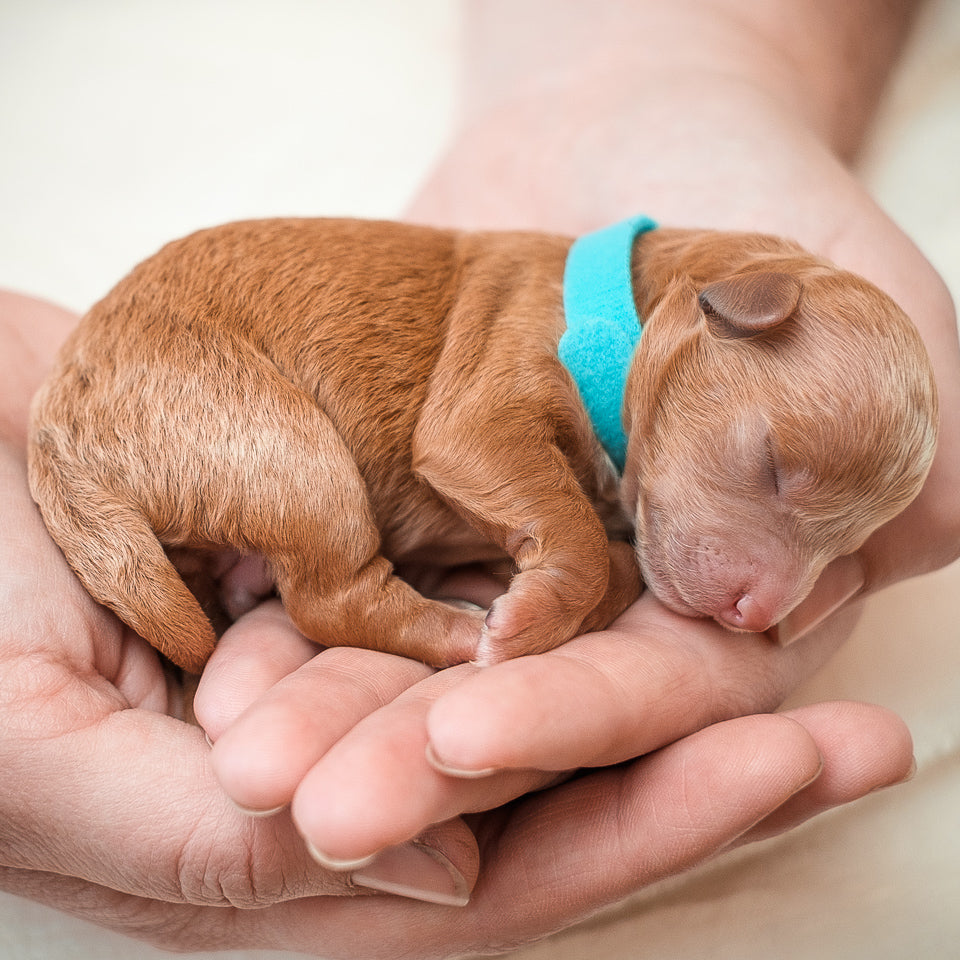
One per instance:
(756,460)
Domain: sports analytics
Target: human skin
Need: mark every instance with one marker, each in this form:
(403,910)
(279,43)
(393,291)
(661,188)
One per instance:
(150,845)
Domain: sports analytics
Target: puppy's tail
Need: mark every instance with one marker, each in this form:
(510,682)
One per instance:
(116,555)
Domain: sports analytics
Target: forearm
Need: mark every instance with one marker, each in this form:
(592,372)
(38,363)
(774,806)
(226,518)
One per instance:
(698,113)
(823,62)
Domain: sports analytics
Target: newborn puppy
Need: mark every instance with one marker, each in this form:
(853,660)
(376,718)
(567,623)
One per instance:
(314,403)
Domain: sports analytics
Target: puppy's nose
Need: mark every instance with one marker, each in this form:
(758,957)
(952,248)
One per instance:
(747,613)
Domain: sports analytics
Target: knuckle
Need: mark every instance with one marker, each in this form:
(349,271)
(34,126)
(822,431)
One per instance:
(237,862)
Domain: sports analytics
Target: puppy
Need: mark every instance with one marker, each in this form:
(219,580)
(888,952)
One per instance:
(314,404)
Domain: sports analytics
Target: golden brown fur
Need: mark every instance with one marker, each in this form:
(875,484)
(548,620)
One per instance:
(313,402)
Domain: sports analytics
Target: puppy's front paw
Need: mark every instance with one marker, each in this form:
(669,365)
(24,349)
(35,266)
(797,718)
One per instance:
(518,624)
(542,610)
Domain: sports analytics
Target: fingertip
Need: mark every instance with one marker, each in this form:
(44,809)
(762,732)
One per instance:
(416,871)
(254,765)
(793,755)
(865,746)
(259,814)
(337,864)
(439,866)
(908,775)
(864,749)
(840,582)
(462,729)
(256,652)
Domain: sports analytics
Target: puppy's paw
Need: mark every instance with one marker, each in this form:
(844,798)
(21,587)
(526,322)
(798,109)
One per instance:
(516,626)
(460,630)
(537,614)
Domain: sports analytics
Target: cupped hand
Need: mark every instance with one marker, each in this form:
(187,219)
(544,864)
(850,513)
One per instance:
(110,809)
(707,128)
(292,726)
(568,845)
(110,806)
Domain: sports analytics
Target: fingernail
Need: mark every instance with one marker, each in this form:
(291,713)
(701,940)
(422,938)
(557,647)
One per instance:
(840,581)
(445,768)
(416,871)
(251,812)
(332,863)
(912,772)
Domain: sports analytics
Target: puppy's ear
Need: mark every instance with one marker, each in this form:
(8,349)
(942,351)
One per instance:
(747,305)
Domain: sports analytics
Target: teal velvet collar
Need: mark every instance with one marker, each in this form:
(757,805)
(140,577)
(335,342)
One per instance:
(603,327)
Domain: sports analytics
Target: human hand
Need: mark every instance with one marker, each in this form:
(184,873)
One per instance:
(110,809)
(553,856)
(713,127)
(550,857)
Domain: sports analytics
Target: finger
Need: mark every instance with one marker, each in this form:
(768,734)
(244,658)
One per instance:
(348,805)
(35,328)
(440,865)
(262,757)
(551,859)
(606,697)
(865,748)
(558,856)
(256,652)
(842,580)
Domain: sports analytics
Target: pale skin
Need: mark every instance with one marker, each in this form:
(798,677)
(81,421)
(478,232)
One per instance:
(114,810)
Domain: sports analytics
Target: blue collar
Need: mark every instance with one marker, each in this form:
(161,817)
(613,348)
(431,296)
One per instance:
(602,326)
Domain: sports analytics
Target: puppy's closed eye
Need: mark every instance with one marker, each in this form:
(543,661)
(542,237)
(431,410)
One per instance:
(773,466)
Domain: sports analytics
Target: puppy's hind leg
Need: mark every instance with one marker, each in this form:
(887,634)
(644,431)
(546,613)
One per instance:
(300,501)
(111,546)
(232,455)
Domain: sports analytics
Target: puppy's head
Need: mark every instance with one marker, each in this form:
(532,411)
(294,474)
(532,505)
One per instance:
(779,411)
